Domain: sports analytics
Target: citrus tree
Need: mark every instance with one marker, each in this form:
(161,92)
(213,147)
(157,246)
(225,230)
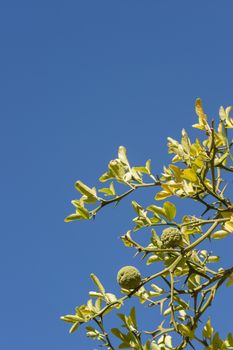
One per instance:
(185,283)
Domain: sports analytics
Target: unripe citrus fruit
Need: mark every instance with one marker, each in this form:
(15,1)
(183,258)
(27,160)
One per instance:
(171,237)
(129,277)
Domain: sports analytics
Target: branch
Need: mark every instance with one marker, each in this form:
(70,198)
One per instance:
(117,199)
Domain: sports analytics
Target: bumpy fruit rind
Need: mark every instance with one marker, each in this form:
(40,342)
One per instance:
(129,277)
(171,237)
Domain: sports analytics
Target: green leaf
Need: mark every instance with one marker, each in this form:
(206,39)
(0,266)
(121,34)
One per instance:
(228,226)
(229,340)
(122,155)
(97,283)
(118,169)
(170,210)
(230,280)
(106,191)
(154,346)
(208,330)
(220,234)
(83,212)
(152,259)
(110,298)
(202,124)
(91,306)
(90,193)
(74,327)
(193,281)
(118,333)
(141,169)
(224,116)
(73,217)
(98,304)
(147,345)
(189,174)
(109,191)
(181,302)
(157,289)
(148,166)
(123,318)
(106,176)
(144,169)
(163,195)
(217,342)
(222,113)
(185,331)
(156,210)
(112,188)
(72,318)
(94,294)
(137,207)
(93,333)
(132,317)
(213,259)
(155,239)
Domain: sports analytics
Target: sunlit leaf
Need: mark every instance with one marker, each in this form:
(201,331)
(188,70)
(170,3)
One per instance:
(90,193)
(189,174)
(220,234)
(213,258)
(122,155)
(73,217)
(208,330)
(202,118)
(152,259)
(106,176)
(97,282)
(170,210)
(74,327)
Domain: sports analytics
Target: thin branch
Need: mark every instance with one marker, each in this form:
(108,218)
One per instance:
(117,199)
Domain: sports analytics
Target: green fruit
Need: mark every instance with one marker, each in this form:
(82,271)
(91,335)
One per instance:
(129,277)
(171,237)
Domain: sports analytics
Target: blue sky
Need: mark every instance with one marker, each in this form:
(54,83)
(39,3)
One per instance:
(78,79)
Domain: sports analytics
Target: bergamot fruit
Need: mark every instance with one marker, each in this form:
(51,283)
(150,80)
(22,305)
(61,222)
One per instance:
(171,237)
(129,277)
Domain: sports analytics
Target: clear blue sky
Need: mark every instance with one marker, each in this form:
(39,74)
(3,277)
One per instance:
(78,79)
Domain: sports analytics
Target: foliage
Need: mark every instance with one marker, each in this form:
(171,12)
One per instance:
(196,172)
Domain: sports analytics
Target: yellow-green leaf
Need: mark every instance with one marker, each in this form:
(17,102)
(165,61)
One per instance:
(122,155)
(152,259)
(202,118)
(73,217)
(83,212)
(156,210)
(97,283)
(71,318)
(84,189)
(185,331)
(220,234)
(74,327)
(213,259)
(208,330)
(228,226)
(170,210)
(162,195)
(189,174)
(106,176)
(108,191)
(230,280)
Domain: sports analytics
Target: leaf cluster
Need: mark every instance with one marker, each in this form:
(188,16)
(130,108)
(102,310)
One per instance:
(184,284)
